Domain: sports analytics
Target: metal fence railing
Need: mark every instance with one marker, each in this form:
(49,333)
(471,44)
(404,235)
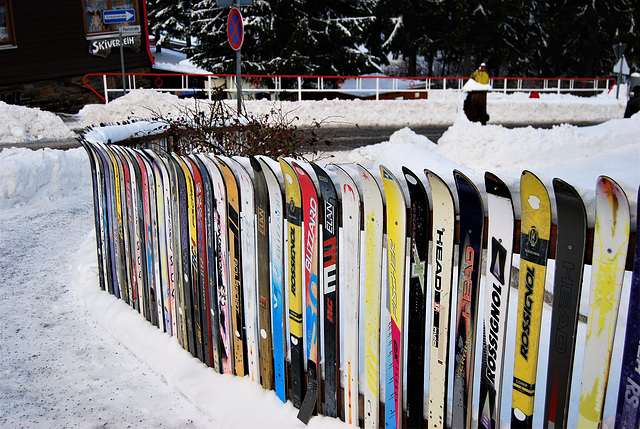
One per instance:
(293,87)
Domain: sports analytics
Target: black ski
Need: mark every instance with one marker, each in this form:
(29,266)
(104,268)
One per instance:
(419,233)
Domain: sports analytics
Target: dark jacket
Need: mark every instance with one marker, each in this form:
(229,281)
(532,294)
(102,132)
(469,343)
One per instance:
(633,105)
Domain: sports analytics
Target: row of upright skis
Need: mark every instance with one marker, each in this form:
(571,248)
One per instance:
(231,255)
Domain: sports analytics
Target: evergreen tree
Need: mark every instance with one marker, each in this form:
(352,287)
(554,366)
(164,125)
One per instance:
(580,36)
(287,37)
(169,19)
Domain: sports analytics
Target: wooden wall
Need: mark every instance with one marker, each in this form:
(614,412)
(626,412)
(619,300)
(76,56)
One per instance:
(51,43)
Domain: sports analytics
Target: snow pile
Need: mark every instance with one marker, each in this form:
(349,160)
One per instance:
(496,148)
(137,104)
(42,175)
(18,123)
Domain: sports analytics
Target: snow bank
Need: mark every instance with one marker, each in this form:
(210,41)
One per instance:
(227,401)
(18,123)
(27,175)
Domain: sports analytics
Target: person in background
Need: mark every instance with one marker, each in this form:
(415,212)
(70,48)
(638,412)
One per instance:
(480,75)
(633,105)
(475,104)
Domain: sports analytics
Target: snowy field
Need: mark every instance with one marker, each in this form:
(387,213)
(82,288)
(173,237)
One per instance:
(74,356)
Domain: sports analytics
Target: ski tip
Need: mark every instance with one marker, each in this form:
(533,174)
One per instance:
(308,404)
(410,176)
(463,180)
(255,164)
(386,173)
(494,185)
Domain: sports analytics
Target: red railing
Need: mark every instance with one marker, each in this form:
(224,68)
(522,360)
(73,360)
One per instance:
(300,87)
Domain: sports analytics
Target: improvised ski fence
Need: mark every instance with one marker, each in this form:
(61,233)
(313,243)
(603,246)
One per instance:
(295,275)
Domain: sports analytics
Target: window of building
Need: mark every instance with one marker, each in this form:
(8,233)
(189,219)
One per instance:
(94,13)
(7,36)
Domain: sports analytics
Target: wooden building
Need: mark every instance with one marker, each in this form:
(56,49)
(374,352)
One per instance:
(46,48)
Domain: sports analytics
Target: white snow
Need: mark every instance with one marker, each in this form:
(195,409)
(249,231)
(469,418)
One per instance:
(19,124)
(74,356)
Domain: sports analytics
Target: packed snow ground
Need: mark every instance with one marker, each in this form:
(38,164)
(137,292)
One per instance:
(74,356)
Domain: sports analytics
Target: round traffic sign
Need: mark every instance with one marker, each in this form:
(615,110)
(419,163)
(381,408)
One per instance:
(235,29)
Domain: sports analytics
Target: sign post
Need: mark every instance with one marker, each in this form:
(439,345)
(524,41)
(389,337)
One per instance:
(124,82)
(235,34)
(120,16)
(619,51)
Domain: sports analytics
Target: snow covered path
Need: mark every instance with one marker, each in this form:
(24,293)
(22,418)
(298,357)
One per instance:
(74,356)
(59,366)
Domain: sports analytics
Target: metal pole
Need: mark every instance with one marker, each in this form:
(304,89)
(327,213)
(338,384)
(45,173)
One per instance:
(619,77)
(124,82)
(239,81)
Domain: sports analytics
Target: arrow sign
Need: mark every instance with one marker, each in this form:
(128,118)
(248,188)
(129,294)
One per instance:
(619,49)
(621,67)
(235,29)
(118,16)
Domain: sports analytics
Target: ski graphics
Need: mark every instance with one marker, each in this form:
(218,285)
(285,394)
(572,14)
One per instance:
(97,210)
(138,217)
(610,242)
(145,253)
(198,264)
(249,280)
(133,227)
(157,213)
(535,230)
(183,283)
(293,200)
(193,266)
(396,252)
(349,293)
(310,281)
(118,234)
(235,266)
(123,230)
(263,277)
(166,263)
(224,278)
(112,196)
(110,217)
(178,320)
(419,234)
(570,248)
(106,219)
(206,245)
(149,239)
(373,209)
(203,266)
(128,226)
(627,414)
(442,233)
(330,223)
(496,298)
(469,263)
(276,251)
(170,305)
(155,292)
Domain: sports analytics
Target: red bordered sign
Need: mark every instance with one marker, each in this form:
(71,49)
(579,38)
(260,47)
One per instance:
(235,29)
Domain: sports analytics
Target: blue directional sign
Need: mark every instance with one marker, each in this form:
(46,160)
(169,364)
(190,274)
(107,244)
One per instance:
(118,16)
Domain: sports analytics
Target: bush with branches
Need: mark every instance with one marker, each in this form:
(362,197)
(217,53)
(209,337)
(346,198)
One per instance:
(214,126)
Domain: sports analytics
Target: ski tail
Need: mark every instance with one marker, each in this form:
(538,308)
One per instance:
(534,244)
(396,226)
(570,249)
(496,304)
(610,245)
